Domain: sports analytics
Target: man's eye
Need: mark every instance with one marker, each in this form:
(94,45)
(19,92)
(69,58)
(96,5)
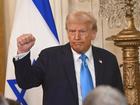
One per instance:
(72,31)
(82,31)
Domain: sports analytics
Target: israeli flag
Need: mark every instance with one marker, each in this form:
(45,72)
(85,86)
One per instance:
(35,17)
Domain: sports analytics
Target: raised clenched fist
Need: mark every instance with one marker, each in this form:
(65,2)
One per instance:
(25,43)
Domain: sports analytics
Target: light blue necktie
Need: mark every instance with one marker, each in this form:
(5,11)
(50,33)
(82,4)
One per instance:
(85,77)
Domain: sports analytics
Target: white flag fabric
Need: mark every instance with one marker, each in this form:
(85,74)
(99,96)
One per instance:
(35,17)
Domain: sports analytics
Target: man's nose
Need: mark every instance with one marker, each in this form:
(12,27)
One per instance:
(77,35)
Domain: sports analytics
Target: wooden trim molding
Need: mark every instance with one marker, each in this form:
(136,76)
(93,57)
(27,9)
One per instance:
(2,48)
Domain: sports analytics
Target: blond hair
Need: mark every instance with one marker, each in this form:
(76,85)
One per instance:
(81,17)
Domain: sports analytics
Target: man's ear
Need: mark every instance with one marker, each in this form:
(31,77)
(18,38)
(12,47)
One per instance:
(93,35)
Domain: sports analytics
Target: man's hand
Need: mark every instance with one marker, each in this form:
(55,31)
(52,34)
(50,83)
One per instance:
(25,43)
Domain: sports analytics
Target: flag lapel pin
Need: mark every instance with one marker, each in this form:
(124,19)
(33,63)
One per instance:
(100,61)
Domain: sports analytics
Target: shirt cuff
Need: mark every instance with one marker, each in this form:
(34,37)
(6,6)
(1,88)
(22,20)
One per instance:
(20,56)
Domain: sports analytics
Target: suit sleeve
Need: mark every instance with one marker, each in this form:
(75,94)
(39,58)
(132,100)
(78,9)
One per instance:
(28,75)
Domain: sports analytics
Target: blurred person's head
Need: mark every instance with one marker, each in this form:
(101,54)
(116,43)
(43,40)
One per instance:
(105,95)
(3,101)
(7,101)
(12,102)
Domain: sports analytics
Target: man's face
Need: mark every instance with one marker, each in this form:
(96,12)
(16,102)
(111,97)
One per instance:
(80,36)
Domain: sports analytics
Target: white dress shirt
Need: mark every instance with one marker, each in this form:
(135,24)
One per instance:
(77,64)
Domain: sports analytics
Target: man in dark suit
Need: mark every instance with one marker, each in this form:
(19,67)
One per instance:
(57,69)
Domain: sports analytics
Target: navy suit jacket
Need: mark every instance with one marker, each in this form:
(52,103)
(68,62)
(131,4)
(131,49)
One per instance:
(55,71)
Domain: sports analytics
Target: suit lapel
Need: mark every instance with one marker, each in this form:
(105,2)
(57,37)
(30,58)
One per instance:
(68,63)
(70,69)
(98,62)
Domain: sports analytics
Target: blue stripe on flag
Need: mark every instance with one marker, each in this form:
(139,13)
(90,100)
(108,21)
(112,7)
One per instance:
(19,95)
(45,9)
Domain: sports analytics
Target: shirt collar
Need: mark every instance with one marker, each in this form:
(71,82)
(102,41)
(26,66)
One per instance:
(77,55)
